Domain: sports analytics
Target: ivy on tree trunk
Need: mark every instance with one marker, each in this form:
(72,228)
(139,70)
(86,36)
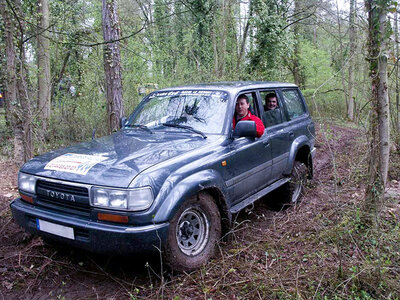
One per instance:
(16,91)
(379,117)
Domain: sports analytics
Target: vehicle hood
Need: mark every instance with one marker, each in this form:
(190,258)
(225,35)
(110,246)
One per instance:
(113,160)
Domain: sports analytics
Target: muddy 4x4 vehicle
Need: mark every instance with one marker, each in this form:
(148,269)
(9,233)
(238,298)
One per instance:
(172,177)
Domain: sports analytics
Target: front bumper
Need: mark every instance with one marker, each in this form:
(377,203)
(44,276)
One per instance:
(95,236)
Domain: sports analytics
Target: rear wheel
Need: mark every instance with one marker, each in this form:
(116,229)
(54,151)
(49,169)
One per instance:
(193,234)
(290,193)
(294,189)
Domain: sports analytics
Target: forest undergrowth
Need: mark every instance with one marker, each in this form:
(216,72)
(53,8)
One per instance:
(319,249)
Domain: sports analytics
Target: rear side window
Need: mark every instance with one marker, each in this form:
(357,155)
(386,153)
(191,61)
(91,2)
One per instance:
(272,109)
(294,104)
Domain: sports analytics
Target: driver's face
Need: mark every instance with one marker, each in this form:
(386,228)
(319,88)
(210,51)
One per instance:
(242,107)
(272,103)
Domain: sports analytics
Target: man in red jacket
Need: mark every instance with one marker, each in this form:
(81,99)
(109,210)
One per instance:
(242,113)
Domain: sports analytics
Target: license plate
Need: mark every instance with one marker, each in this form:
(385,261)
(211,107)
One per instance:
(56,229)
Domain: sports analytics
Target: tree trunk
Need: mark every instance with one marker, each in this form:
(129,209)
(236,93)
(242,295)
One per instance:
(296,64)
(379,123)
(396,32)
(224,36)
(215,51)
(112,63)
(296,53)
(61,74)
(43,63)
(352,36)
(383,103)
(16,89)
(342,71)
(244,38)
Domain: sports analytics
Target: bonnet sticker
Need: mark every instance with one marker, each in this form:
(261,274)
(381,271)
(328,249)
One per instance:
(74,163)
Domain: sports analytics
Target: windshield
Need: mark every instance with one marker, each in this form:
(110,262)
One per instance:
(201,110)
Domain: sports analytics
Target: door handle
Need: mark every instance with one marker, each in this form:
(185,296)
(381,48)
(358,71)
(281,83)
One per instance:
(266,144)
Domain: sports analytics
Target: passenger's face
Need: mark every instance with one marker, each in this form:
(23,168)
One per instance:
(242,107)
(272,103)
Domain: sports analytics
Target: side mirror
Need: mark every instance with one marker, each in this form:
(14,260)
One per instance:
(122,122)
(245,129)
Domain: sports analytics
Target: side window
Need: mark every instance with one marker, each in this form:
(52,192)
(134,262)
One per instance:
(273,114)
(294,104)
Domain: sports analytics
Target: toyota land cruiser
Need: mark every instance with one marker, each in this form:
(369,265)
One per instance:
(175,173)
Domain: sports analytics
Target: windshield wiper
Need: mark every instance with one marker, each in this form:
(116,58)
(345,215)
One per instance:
(185,127)
(140,126)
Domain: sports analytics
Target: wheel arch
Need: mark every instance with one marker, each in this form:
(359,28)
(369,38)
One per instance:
(300,151)
(220,200)
(208,181)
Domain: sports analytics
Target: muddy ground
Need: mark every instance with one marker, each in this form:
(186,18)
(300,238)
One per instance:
(268,254)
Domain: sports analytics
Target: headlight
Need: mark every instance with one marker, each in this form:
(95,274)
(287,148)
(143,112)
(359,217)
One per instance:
(131,200)
(26,183)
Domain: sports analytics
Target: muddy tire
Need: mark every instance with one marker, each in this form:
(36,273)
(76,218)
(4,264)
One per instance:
(294,189)
(193,234)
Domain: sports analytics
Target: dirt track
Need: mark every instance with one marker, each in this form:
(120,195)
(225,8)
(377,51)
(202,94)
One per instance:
(266,252)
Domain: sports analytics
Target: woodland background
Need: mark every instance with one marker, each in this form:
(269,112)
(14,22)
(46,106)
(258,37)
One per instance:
(62,45)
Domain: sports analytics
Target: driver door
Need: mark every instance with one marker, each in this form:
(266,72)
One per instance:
(251,160)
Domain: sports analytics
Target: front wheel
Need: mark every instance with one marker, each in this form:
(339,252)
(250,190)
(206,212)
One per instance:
(193,234)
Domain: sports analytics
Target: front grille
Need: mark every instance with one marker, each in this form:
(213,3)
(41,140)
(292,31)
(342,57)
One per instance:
(67,198)
(60,187)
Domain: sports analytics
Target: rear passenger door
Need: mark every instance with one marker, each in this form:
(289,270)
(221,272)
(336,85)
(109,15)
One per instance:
(280,138)
(296,111)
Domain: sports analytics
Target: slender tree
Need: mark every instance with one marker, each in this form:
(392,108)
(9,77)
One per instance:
(295,68)
(379,123)
(342,54)
(396,32)
(16,84)
(43,63)
(112,63)
(352,37)
(244,36)
(3,71)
